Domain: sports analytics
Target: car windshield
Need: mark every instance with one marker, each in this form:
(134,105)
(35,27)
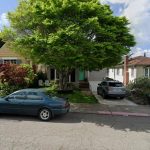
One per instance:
(115,84)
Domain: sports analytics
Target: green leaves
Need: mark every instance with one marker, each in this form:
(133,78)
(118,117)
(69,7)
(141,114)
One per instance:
(69,33)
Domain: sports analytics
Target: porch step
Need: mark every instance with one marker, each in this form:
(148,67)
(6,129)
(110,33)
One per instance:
(84,85)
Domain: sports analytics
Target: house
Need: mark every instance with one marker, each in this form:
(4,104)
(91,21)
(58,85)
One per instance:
(131,69)
(77,75)
(9,56)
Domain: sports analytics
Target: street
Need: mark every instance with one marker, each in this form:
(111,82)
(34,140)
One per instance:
(75,131)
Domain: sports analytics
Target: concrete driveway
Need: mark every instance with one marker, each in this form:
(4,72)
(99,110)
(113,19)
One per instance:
(109,101)
(75,131)
(114,101)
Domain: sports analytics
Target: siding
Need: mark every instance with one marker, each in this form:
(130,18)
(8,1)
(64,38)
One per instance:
(97,75)
(140,71)
(132,76)
(113,74)
(6,53)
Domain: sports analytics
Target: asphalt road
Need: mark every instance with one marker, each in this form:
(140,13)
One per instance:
(75,131)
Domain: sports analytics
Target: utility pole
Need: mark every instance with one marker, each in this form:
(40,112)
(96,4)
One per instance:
(126,72)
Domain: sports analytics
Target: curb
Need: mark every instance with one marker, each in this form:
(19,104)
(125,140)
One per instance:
(113,113)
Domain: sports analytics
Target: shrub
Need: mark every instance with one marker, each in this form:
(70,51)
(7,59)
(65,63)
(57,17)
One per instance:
(30,76)
(14,77)
(53,88)
(140,90)
(6,89)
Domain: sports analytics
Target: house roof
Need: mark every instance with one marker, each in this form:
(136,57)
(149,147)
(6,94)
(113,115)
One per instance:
(139,60)
(6,52)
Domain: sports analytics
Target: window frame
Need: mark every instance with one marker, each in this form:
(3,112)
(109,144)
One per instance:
(118,71)
(9,61)
(148,72)
(15,96)
(132,71)
(34,98)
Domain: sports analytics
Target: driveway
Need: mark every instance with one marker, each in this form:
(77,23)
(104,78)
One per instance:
(75,131)
(112,101)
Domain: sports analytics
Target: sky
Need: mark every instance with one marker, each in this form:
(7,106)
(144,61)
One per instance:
(137,12)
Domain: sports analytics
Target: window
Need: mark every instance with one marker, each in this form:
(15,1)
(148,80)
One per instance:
(18,95)
(118,71)
(11,61)
(115,84)
(122,71)
(132,72)
(147,72)
(33,96)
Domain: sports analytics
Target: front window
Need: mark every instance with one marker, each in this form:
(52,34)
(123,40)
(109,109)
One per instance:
(132,72)
(147,71)
(9,61)
(118,71)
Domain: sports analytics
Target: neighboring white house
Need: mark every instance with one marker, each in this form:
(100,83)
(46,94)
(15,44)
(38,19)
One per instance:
(137,67)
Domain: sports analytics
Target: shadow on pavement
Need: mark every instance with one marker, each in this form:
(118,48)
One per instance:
(138,124)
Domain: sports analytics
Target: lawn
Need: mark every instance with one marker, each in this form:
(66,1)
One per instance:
(79,97)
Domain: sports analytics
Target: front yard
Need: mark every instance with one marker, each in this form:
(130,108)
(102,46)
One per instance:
(81,97)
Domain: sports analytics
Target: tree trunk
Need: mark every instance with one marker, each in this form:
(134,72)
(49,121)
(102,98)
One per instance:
(63,79)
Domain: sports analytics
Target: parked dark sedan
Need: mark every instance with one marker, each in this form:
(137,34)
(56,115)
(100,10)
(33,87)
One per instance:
(112,89)
(34,102)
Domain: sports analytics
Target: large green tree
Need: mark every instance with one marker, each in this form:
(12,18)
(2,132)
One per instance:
(68,34)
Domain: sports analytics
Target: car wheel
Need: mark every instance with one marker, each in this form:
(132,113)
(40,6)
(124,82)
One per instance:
(45,114)
(104,95)
(121,97)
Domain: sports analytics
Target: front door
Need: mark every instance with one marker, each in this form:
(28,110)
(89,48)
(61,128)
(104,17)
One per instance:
(81,75)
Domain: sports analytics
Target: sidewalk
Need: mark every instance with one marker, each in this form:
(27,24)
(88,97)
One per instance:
(100,109)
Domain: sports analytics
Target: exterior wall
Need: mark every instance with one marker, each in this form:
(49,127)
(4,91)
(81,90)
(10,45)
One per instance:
(111,73)
(119,74)
(96,75)
(47,69)
(140,71)
(116,74)
(42,68)
(6,54)
(132,73)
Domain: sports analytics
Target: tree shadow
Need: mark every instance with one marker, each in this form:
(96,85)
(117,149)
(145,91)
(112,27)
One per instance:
(123,123)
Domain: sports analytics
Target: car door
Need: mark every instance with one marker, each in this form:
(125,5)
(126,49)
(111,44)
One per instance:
(33,103)
(13,104)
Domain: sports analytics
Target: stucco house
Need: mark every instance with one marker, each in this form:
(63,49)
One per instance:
(136,67)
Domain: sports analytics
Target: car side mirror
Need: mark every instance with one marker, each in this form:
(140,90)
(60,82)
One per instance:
(99,84)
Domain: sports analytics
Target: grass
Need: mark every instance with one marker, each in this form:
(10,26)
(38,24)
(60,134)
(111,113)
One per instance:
(76,97)
(79,97)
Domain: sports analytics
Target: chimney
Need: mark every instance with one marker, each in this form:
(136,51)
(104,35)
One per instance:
(126,72)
